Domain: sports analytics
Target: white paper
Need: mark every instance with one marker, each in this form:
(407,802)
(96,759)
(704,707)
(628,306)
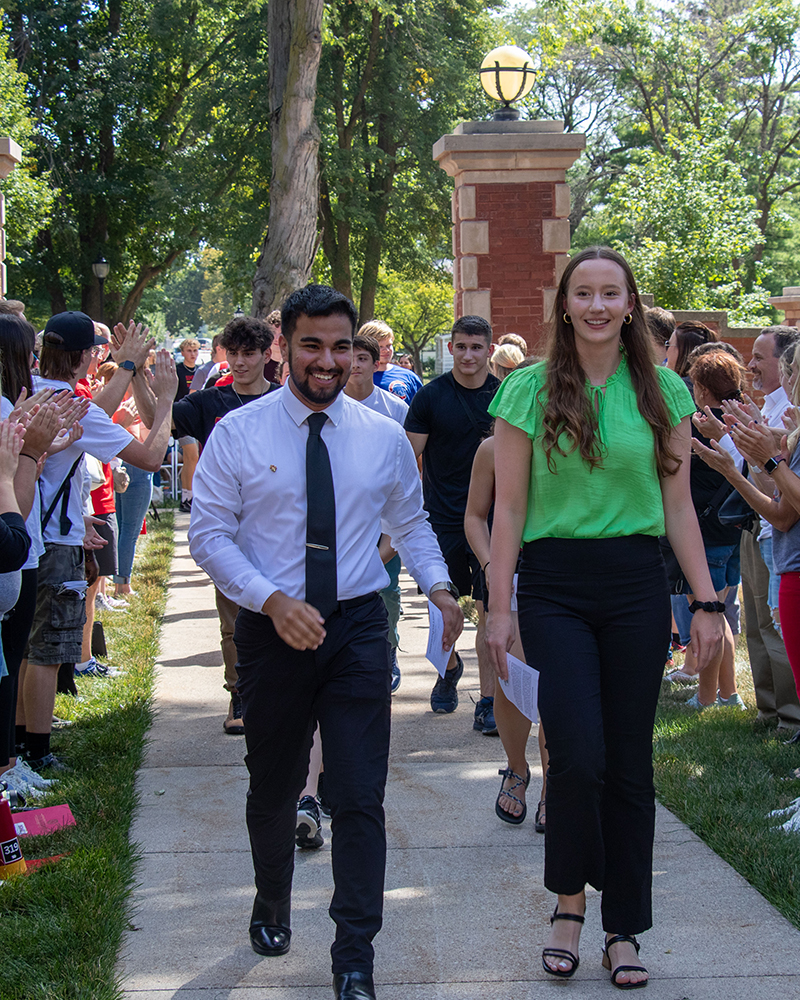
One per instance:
(522,687)
(514,583)
(77,586)
(437,654)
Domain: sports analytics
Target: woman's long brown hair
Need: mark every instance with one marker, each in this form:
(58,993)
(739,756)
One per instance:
(569,410)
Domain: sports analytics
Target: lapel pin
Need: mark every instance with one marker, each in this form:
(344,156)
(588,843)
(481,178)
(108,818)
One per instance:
(273,468)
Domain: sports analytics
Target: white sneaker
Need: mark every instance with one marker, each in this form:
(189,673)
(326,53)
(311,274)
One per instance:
(18,783)
(105,603)
(29,776)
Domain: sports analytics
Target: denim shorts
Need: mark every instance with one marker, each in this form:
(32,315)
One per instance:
(724,565)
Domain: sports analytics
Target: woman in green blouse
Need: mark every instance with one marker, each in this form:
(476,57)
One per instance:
(592,459)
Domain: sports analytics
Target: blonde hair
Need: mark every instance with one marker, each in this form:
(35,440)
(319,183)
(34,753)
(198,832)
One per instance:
(507,356)
(516,340)
(794,437)
(378,329)
(189,342)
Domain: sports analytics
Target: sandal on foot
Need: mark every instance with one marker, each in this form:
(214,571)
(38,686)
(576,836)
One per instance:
(561,954)
(507,817)
(617,939)
(539,819)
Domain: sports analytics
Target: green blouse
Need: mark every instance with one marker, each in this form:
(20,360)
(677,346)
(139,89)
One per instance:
(621,497)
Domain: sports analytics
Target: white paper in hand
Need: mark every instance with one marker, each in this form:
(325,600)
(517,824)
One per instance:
(437,654)
(522,687)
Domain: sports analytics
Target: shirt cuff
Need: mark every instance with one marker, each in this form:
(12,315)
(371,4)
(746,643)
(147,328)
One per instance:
(256,593)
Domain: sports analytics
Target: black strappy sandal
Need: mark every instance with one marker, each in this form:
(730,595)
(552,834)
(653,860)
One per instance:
(616,939)
(507,817)
(561,953)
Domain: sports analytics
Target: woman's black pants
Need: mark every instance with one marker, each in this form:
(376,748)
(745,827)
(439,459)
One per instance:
(16,629)
(594,621)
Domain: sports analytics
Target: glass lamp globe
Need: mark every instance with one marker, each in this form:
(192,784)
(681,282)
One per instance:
(507,74)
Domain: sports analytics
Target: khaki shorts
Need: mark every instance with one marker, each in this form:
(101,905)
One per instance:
(57,630)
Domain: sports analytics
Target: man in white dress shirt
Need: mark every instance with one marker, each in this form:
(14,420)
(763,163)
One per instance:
(250,517)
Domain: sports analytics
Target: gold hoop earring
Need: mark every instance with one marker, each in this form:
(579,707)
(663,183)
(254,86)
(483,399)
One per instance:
(567,319)
(627,320)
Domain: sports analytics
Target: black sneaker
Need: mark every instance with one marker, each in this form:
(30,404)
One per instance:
(185,507)
(484,717)
(396,678)
(308,834)
(444,697)
(48,762)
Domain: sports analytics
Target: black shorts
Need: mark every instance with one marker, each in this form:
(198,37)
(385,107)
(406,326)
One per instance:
(462,564)
(107,563)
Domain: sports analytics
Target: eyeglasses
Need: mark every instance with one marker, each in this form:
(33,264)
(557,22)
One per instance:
(97,351)
(667,343)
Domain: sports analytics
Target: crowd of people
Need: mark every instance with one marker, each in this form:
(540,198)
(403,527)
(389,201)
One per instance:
(603,505)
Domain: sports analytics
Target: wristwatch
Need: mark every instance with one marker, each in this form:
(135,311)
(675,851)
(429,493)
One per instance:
(772,464)
(709,606)
(444,585)
(129,366)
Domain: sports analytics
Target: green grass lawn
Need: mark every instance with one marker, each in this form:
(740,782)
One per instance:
(721,772)
(61,926)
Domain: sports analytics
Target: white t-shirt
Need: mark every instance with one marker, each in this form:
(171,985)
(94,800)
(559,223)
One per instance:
(386,403)
(33,522)
(102,438)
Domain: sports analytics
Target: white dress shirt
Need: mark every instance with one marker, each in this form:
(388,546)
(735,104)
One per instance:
(248,525)
(776,403)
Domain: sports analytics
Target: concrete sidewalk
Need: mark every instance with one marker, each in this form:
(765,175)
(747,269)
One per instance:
(466,914)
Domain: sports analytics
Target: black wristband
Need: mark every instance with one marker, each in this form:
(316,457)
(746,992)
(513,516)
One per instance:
(24,454)
(710,606)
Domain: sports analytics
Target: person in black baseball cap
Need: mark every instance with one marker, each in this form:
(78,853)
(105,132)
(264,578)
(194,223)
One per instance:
(71,331)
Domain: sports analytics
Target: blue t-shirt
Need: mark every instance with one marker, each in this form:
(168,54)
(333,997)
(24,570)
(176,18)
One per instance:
(398,380)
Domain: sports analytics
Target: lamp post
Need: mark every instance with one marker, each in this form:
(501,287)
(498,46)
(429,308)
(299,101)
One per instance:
(507,74)
(101,267)
(238,314)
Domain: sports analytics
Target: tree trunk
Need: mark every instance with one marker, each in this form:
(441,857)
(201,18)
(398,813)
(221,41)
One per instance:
(295,46)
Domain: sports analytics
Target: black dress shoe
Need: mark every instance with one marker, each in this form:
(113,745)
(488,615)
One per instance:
(354,986)
(269,925)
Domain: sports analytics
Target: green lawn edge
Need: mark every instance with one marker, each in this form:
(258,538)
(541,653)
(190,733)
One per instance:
(61,926)
(721,772)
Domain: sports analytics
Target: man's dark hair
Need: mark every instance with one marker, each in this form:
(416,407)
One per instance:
(17,338)
(783,337)
(315,300)
(369,344)
(473,326)
(718,345)
(246,333)
(215,341)
(660,323)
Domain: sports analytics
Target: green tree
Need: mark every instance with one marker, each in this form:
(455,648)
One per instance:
(685,222)
(394,77)
(147,114)
(29,197)
(415,310)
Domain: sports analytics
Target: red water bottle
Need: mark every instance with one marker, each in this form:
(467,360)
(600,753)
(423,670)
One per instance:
(11,859)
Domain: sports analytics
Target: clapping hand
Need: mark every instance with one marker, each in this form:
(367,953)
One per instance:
(132,343)
(709,425)
(757,442)
(11,435)
(165,377)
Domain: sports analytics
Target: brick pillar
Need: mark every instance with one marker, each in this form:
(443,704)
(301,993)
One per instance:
(510,219)
(10,156)
(789,304)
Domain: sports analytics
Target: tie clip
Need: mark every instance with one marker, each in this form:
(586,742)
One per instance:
(312,545)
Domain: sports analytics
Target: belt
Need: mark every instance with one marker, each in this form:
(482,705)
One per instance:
(354,602)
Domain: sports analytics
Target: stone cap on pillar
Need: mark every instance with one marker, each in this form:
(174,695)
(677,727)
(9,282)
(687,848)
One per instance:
(10,155)
(789,304)
(508,152)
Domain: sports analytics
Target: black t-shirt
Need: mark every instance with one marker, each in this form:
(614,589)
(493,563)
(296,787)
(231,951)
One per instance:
(705,482)
(198,413)
(185,376)
(456,420)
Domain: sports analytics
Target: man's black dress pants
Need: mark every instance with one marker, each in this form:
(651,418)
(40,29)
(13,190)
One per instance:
(345,686)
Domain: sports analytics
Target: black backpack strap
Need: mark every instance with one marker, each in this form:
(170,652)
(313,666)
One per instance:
(63,495)
(467,408)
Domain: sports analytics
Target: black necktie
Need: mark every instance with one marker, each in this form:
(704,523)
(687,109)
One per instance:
(321,589)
